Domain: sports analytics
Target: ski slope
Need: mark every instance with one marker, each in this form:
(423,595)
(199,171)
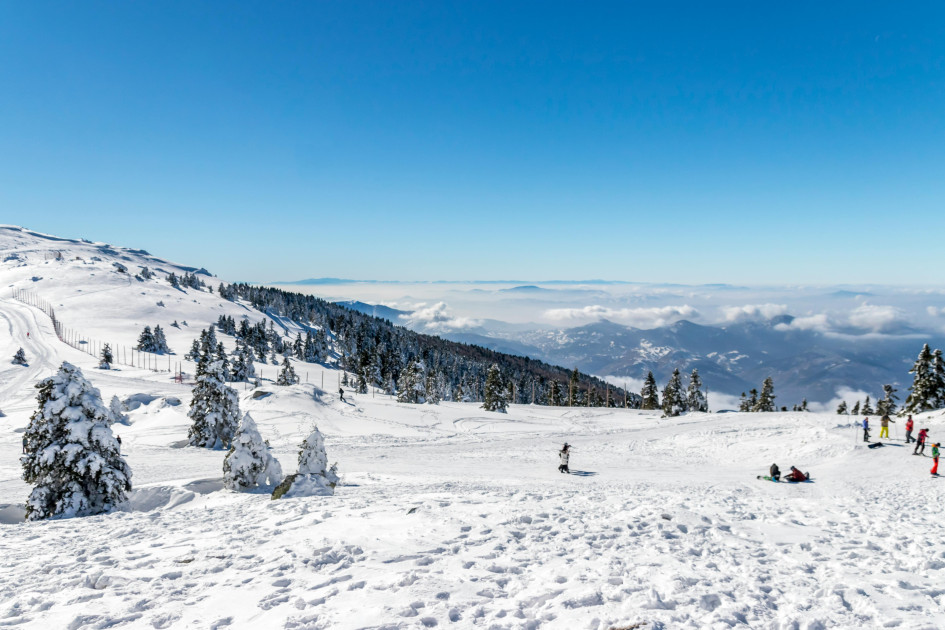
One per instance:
(449,516)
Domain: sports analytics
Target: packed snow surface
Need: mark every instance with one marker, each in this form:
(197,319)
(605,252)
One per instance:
(450,516)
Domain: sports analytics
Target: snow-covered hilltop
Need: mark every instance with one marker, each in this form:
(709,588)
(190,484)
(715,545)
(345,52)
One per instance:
(445,515)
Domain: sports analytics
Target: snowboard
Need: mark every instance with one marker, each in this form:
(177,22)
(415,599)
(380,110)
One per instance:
(875,445)
(767,478)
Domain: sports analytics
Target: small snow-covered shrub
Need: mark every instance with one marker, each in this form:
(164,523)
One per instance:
(315,477)
(249,463)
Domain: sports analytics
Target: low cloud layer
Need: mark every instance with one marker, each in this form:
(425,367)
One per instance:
(437,317)
(652,317)
(753,312)
(870,318)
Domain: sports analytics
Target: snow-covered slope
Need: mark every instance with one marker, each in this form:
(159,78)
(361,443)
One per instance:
(449,516)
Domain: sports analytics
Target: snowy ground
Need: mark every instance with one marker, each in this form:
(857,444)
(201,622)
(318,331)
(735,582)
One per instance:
(449,516)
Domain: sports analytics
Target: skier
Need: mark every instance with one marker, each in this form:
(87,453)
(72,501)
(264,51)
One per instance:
(884,431)
(341,392)
(909,425)
(866,429)
(935,459)
(775,472)
(564,454)
(920,443)
(797,475)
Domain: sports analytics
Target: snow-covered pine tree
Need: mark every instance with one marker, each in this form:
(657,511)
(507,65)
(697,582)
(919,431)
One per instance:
(287,374)
(495,392)
(842,408)
(867,409)
(315,477)
(298,347)
(803,404)
(411,387)
(856,409)
(107,357)
(752,400)
(650,393)
(432,389)
(695,397)
(574,382)
(19,357)
(116,412)
(194,353)
(224,361)
(766,398)
(923,391)
(160,342)
(743,404)
(214,409)
(674,402)
(145,340)
(554,394)
(887,405)
(72,458)
(249,463)
(938,380)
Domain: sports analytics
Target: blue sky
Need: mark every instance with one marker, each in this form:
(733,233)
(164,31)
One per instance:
(668,142)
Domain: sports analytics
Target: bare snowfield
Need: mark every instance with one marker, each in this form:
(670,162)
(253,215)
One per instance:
(447,515)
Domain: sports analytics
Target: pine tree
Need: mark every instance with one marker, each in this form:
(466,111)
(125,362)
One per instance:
(432,389)
(856,409)
(923,391)
(145,340)
(248,463)
(743,404)
(160,342)
(223,360)
(938,380)
(650,393)
(315,477)
(695,397)
(411,387)
(867,409)
(554,394)
(574,382)
(887,406)
(673,401)
(766,398)
(287,376)
(116,412)
(752,400)
(214,409)
(194,353)
(107,358)
(19,357)
(803,406)
(842,408)
(495,399)
(72,458)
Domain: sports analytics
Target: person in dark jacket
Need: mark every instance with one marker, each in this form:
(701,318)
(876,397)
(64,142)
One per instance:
(920,443)
(866,429)
(341,392)
(564,455)
(775,472)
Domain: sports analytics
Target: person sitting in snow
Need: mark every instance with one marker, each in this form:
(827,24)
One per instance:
(796,475)
(564,454)
(775,472)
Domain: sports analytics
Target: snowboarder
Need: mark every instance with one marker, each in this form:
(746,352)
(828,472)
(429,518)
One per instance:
(564,454)
(341,392)
(884,423)
(775,472)
(909,425)
(935,459)
(797,475)
(920,443)
(866,429)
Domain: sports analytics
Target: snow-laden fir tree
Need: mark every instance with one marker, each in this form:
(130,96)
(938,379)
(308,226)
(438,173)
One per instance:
(695,397)
(752,400)
(554,394)
(867,408)
(495,394)
(224,361)
(72,458)
(856,409)
(107,358)
(287,375)
(887,405)
(160,342)
(411,387)
(116,412)
(315,477)
(19,357)
(766,398)
(249,463)
(674,401)
(145,340)
(923,393)
(214,409)
(432,388)
(650,393)
(938,380)
(842,408)
(743,404)
(573,387)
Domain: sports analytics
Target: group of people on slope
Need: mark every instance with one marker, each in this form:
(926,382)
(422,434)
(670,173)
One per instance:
(795,475)
(923,437)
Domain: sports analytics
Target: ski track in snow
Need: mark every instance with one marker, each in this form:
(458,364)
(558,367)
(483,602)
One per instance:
(449,516)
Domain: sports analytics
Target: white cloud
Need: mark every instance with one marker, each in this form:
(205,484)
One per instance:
(877,318)
(935,312)
(850,396)
(639,317)
(438,317)
(752,312)
(871,318)
(819,322)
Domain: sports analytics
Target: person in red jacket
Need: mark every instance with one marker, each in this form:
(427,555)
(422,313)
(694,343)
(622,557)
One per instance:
(909,425)
(796,475)
(920,443)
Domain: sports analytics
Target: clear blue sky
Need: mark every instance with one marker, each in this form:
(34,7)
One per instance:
(688,142)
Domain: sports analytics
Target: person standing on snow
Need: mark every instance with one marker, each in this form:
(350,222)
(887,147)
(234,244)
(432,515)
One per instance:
(909,425)
(920,443)
(884,423)
(866,429)
(935,459)
(564,455)
(341,392)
